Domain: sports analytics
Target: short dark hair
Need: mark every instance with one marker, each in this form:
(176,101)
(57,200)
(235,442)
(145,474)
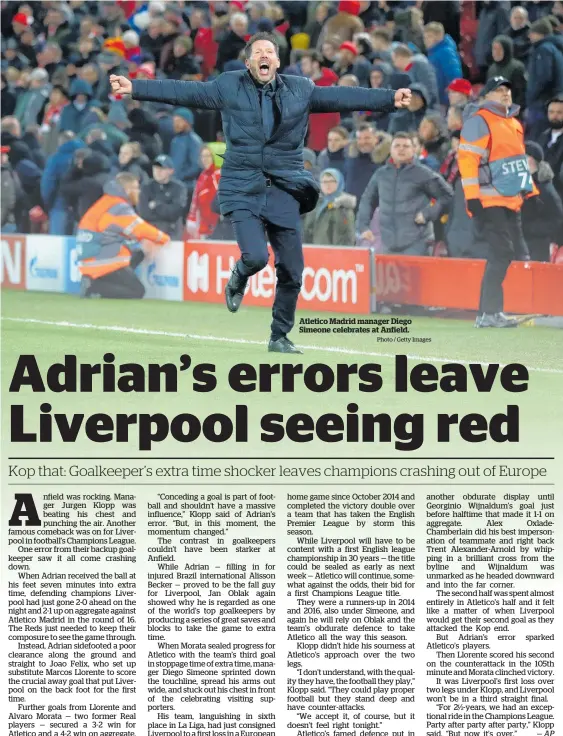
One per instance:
(126,178)
(261,36)
(383,34)
(403,50)
(341,131)
(366,126)
(403,135)
(295,55)
(313,54)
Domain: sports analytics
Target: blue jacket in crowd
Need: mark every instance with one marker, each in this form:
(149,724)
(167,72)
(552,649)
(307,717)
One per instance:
(58,164)
(447,64)
(184,152)
(545,72)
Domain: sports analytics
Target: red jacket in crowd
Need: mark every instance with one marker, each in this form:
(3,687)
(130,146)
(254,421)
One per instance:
(206,47)
(321,122)
(201,218)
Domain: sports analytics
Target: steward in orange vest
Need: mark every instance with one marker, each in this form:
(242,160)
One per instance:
(496,179)
(108,242)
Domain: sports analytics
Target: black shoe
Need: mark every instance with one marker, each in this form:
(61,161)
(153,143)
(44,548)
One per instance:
(283,345)
(234,290)
(495,320)
(85,286)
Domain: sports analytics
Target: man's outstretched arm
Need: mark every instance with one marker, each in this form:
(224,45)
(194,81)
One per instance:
(201,95)
(348,99)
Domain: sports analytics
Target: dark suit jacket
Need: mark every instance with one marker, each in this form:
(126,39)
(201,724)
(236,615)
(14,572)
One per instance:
(554,157)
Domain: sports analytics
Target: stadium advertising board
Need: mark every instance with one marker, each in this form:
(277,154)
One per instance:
(162,272)
(44,263)
(334,279)
(454,283)
(71,271)
(13,261)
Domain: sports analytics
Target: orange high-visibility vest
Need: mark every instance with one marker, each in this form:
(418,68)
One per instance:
(102,233)
(492,160)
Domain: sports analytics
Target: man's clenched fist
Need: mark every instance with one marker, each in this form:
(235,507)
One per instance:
(402,97)
(121,85)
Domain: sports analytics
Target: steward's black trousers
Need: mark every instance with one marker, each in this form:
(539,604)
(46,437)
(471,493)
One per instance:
(501,229)
(278,222)
(121,284)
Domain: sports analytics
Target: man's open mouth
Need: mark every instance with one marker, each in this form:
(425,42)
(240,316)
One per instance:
(264,67)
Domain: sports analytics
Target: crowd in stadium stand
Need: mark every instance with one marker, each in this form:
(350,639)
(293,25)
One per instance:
(65,135)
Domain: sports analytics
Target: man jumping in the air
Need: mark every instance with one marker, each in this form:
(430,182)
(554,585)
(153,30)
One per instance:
(264,187)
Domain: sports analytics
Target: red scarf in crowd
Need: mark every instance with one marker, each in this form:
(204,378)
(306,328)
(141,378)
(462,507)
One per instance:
(320,123)
(450,169)
(53,113)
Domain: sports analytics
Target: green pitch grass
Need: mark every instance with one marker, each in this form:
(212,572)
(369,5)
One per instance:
(159,332)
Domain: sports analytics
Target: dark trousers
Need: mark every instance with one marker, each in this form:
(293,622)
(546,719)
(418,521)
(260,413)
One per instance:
(278,223)
(536,122)
(540,249)
(122,284)
(502,230)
